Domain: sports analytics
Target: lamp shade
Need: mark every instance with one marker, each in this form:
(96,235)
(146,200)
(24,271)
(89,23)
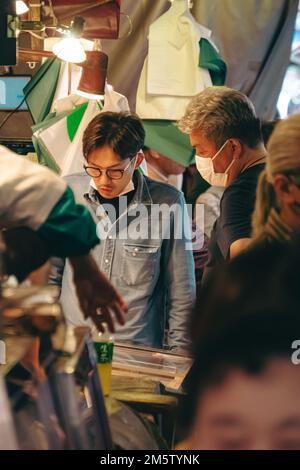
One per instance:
(21,7)
(70,50)
(94,73)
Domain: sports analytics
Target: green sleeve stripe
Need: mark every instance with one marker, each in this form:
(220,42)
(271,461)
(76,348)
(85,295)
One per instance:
(69,229)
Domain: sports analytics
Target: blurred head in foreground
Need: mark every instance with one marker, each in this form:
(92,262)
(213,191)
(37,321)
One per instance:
(244,388)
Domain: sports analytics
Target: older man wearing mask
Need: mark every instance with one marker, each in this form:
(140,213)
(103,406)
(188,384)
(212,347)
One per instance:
(226,135)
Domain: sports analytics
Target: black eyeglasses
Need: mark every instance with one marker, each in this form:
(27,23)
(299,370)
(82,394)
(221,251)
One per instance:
(96,172)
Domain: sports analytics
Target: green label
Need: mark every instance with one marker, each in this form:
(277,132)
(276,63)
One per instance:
(104,352)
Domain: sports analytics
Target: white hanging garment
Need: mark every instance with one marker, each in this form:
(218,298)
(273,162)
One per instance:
(171,68)
(28,192)
(73,160)
(55,139)
(173,55)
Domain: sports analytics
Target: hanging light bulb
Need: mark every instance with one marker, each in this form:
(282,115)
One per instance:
(21,7)
(70,50)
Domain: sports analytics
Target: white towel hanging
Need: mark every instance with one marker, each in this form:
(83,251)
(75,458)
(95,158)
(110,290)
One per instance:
(188,3)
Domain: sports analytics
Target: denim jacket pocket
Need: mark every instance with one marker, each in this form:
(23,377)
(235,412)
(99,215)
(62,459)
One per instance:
(139,263)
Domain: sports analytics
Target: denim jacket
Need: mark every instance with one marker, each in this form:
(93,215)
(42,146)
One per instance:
(153,271)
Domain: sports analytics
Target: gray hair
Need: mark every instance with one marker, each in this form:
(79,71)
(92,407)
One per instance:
(222,113)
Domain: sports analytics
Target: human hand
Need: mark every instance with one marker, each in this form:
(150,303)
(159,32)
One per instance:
(98,298)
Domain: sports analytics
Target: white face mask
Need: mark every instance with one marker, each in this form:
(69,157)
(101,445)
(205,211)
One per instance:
(206,169)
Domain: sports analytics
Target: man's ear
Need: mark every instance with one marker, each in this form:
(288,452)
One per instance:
(284,189)
(236,148)
(140,158)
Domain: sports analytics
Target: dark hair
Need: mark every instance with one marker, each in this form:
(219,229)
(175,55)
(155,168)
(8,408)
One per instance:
(247,343)
(123,132)
(247,130)
(267,127)
(248,313)
(265,277)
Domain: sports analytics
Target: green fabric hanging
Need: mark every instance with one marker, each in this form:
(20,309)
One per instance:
(210,59)
(165,137)
(74,120)
(71,122)
(44,158)
(40,91)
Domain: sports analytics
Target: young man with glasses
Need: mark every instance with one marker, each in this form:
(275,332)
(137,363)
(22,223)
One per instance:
(146,254)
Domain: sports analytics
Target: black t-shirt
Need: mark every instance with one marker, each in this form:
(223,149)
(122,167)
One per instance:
(236,208)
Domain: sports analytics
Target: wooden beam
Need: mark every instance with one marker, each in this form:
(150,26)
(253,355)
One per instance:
(29,55)
(35,15)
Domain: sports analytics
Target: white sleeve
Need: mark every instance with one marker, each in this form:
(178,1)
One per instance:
(28,191)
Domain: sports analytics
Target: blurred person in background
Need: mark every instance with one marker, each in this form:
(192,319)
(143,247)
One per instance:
(166,170)
(163,169)
(243,388)
(267,128)
(277,209)
(210,200)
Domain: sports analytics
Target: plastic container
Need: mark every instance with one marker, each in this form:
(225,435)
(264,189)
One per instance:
(104,347)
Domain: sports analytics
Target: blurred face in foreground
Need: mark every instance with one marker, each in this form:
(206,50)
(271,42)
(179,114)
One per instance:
(251,412)
(287,189)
